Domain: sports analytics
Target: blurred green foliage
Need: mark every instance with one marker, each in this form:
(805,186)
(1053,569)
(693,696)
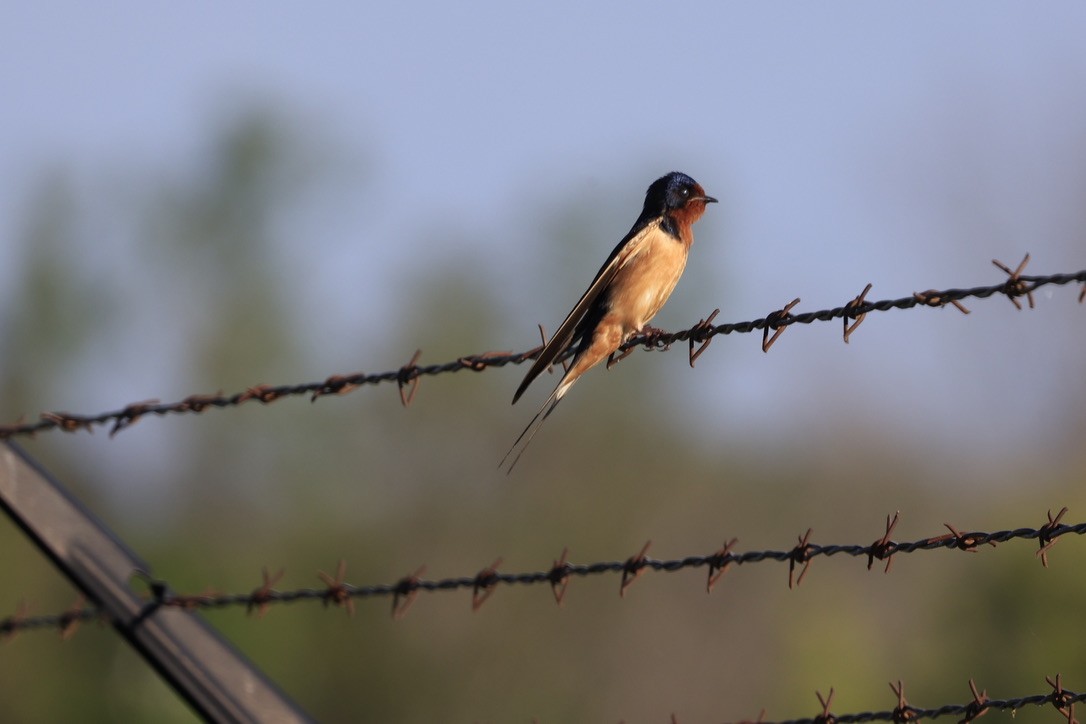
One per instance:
(387,489)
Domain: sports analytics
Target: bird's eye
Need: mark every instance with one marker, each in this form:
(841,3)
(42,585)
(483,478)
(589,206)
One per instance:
(685,192)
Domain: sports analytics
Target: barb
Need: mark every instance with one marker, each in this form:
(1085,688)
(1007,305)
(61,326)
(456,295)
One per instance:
(1064,701)
(858,301)
(902,712)
(801,554)
(718,565)
(778,321)
(633,568)
(825,717)
(881,548)
(407,377)
(483,584)
(559,577)
(1015,286)
(704,326)
(337,592)
(1045,543)
(405,593)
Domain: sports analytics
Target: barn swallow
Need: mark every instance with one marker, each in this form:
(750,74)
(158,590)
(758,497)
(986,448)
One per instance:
(628,290)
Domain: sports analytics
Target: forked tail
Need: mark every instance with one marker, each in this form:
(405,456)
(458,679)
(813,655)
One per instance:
(533,427)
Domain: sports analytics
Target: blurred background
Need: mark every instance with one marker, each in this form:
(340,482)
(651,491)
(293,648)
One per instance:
(208,197)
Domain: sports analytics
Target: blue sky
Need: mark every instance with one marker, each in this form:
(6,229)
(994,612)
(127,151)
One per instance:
(900,144)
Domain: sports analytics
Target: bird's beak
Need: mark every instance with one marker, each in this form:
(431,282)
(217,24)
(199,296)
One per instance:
(708,199)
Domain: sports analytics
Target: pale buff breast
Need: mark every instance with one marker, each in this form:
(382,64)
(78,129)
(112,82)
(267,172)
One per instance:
(647,280)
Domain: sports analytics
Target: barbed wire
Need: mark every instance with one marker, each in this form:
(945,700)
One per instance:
(1063,700)
(699,336)
(483,584)
(67,622)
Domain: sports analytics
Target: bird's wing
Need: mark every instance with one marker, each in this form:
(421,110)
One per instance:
(626,250)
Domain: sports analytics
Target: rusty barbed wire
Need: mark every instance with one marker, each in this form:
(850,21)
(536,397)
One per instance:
(1063,700)
(67,622)
(408,376)
(484,583)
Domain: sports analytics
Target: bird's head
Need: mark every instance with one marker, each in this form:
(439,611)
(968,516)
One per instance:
(677,196)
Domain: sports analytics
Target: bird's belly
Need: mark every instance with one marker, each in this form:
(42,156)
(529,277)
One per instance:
(647,282)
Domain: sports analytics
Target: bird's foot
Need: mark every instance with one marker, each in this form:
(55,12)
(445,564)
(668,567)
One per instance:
(649,331)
